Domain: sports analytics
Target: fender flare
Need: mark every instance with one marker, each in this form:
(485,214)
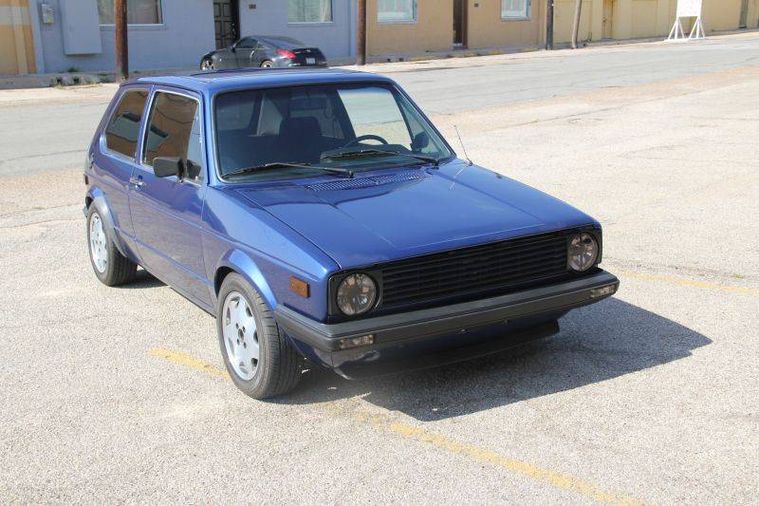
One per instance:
(97,198)
(241,263)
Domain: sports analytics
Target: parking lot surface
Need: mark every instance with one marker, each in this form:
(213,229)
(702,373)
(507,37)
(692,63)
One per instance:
(119,395)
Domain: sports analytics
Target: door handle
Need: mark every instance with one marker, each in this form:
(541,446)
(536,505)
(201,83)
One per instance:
(136,181)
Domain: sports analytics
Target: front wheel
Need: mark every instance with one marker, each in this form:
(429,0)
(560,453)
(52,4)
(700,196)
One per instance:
(110,266)
(257,355)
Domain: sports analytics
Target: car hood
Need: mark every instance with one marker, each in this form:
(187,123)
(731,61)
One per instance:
(400,213)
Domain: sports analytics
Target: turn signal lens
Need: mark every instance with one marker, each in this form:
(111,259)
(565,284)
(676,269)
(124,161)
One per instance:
(300,287)
(355,342)
(604,291)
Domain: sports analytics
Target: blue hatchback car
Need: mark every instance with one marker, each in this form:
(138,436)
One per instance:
(321,218)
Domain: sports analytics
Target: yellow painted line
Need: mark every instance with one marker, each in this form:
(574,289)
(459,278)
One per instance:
(545,476)
(692,283)
(188,361)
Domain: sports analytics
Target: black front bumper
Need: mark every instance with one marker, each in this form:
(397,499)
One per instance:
(542,306)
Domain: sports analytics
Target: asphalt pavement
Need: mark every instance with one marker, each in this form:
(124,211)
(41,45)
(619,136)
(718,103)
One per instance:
(119,395)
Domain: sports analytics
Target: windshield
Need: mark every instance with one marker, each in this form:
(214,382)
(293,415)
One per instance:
(359,127)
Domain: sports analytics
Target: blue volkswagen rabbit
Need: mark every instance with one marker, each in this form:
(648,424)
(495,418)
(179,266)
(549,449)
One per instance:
(322,219)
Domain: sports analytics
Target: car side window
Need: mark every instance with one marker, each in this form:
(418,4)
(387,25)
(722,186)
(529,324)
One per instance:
(247,43)
(123,128)
(174,130)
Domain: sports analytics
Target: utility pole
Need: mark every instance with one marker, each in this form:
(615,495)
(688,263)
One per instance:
(361,34)
(122,45)
(576,25)
(549,25)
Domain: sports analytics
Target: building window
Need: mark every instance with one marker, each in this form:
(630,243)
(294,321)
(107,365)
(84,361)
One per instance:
(396,11)
(139,12)
(515,9)
(309,11)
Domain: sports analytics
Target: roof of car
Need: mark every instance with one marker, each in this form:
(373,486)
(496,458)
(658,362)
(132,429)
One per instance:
(224,80)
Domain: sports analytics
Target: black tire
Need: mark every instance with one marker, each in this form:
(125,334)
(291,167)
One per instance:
(118,269)
(207,65)
(267,64)
(279,366)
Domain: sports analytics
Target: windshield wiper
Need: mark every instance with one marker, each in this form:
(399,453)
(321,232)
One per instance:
(284,165)
(333,155)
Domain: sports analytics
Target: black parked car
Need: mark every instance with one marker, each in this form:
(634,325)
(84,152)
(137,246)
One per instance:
(264,51)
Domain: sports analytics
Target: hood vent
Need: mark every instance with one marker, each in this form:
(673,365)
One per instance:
(367,182)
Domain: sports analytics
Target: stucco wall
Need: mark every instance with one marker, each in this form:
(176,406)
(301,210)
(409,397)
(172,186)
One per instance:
(186,34)
(487,29)
(432,31)
(335,39)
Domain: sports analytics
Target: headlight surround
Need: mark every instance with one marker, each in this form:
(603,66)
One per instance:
(582,252)
(356,294)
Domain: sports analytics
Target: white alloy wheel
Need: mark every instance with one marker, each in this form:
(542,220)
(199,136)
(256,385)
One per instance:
(98,244)
(240,335)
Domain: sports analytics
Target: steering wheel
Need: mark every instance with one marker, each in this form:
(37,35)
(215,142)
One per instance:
(367,137)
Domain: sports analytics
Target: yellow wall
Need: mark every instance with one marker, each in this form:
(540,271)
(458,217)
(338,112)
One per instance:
(721,14)
(643,22)
(16,41)
(753,14)
(432,31)
(645,18)
(486,28)
(590,21)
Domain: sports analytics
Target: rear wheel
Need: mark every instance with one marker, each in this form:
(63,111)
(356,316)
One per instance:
(267,64)
(207,64)
(257,355)
(110,266)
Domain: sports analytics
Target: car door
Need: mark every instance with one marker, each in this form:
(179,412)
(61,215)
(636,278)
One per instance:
(245,51)
(225,58)
(167,211)
(113,159)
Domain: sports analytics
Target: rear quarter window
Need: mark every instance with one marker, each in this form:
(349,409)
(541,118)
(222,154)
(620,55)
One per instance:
(123,128)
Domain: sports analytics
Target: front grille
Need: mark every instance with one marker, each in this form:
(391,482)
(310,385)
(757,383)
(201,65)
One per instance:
(495,268)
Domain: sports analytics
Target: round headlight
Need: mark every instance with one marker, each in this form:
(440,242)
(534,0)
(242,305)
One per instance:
(356,294)
(583,252)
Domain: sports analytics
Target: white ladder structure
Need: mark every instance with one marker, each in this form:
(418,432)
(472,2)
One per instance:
(688,9)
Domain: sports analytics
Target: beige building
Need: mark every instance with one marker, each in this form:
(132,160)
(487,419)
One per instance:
(16,38)
(399,28)
(632,19)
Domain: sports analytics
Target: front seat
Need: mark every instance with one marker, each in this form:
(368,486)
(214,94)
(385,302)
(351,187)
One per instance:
(300,140)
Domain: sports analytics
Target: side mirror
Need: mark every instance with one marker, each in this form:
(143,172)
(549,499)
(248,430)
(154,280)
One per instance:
(166,166)
(421,141)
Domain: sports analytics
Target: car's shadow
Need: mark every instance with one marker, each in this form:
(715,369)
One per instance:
(143,280)
(596,343)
